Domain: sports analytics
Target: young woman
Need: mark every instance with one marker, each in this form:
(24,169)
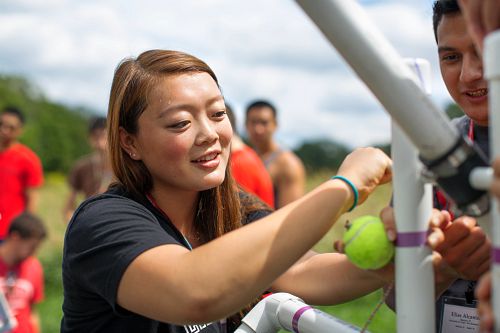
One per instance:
(165,246)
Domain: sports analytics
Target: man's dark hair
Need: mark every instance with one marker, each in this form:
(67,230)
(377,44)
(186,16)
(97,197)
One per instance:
(261,104)
(440,8)
(15,112)
(97,123)
(28,226)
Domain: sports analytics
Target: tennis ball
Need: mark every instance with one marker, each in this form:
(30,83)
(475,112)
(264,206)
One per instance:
(366,243)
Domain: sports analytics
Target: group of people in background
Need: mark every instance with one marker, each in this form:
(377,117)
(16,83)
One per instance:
(21,230)
(166,201)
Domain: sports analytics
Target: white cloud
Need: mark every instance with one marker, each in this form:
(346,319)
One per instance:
(259,49)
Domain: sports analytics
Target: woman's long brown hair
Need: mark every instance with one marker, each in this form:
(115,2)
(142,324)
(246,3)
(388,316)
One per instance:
(218,208)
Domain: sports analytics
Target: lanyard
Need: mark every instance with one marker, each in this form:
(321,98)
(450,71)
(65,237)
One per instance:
(471,130)
(155,205)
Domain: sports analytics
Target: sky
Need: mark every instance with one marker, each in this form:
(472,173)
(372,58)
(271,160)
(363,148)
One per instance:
(259,49)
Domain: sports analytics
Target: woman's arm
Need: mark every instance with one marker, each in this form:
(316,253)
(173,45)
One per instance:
(171,284)
(330,278)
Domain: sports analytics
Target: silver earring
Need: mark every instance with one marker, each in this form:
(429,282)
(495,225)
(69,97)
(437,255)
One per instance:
(132,155)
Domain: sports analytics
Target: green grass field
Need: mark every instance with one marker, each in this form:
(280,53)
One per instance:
(53,196)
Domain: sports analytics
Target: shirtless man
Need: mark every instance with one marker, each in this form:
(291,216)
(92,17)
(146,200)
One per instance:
(286,169)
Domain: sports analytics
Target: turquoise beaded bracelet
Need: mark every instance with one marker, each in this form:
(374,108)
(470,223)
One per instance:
(353,188)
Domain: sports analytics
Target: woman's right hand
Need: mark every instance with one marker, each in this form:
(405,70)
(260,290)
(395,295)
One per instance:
(366,168)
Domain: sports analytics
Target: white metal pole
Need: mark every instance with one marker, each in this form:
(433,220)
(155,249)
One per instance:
(282,310)
(7,321)
(349,29)
(492,73)
(415,306)
(415,301)
(446,153)
(296,316)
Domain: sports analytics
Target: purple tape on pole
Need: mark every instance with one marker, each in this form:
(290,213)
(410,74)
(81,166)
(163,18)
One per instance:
(296,317)
(496,255)
(411,239)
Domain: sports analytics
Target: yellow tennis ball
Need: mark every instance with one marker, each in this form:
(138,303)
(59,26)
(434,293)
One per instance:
(366,243)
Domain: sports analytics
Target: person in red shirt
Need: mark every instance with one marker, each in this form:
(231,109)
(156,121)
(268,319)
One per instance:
(247,168)
(21,274)
(20,170)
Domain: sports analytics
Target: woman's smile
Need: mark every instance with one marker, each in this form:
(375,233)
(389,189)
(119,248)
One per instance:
(208,161)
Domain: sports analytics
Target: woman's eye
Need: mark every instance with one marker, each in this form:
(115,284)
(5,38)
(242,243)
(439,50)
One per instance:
(220,114)
(180,124)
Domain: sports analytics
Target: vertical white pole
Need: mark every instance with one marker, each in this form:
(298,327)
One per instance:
(415,301)
(492,73)
(7,321)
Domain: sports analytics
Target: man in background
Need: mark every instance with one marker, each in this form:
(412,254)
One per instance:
(92,173)
(247,168)
(21,274)
(468,254)
(20,170)
(286,169)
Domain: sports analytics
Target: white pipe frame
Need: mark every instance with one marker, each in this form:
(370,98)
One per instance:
(412,205)
(7,320)
(446,153)
(285,311)
(376,62)
(346,26)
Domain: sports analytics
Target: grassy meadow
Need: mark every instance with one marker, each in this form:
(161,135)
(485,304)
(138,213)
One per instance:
(55,191)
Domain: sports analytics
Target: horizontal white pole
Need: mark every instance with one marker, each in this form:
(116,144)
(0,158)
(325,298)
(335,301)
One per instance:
(371,56)
(480,178)
(288,312)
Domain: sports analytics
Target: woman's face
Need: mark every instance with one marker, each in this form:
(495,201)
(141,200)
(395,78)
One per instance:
(184,134)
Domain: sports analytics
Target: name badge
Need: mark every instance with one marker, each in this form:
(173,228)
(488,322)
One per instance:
(458,316)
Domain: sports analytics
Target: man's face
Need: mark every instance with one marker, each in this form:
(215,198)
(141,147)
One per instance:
(10,128)
(260,125)
(462,68)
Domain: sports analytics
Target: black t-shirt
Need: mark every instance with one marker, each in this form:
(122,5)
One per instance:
(105,235)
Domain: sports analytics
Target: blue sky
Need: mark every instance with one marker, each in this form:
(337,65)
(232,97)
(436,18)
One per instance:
(258,49)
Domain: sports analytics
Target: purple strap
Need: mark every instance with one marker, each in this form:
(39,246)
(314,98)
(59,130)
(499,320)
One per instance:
(296,317)
(411,239)
(496,255)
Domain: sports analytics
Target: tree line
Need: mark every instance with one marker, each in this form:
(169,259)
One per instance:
(58,133)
